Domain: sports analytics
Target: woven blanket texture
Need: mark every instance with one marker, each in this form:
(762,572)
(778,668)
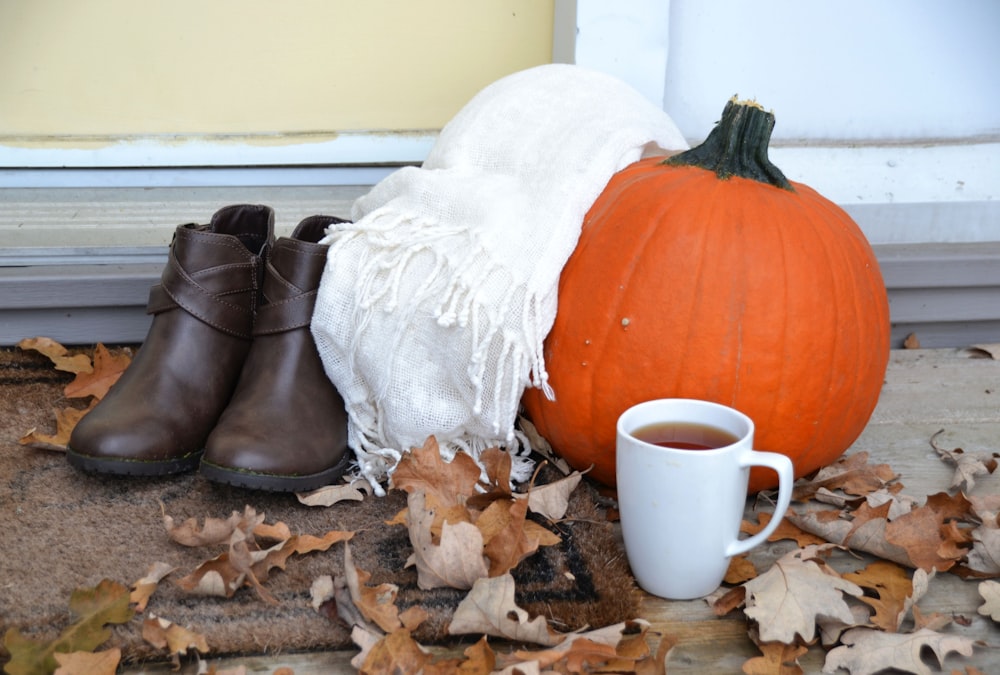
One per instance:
(436,299)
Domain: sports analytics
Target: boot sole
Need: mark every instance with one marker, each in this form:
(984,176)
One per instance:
(133,467)
(270,482)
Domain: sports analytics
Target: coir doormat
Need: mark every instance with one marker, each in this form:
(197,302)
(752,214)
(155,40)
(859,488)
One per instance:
(64,530)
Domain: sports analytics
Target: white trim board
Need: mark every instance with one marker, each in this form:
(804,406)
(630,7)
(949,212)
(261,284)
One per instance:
(945,293)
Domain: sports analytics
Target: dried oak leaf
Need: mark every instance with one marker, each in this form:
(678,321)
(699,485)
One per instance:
(740,569)
(967,465)
(144,588)
(66,420)
(619,648)
(444,483)
(776,658)
(89,663)
(983,559)
(216,577)
(245,563)
(785,530)
(256,565)
(987,509)
(552,499)
(455,561)
(787,600)
(107,369)
(851,474)
(924,537)
(396,652)
(990,591)
(892,592)
(866,651)
(329,495)
(376,603)
(176,639)
(106,603)
(496,467)
(898,502)
(58,355)
(509,537)
(490,609)
(924,534)
(215,530)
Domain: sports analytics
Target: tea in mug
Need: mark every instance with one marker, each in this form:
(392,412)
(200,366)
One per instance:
(685,435)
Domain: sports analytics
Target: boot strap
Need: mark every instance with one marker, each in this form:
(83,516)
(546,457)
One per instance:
(177,288)
(285,315)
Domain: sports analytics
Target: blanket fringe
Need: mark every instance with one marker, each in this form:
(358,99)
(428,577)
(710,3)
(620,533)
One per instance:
(459,272)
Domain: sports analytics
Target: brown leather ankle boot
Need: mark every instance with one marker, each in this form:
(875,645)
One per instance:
(286,427)
(155,420)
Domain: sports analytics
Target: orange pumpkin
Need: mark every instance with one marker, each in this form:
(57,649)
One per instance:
(710,275)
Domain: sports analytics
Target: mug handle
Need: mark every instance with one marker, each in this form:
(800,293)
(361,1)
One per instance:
(783,466)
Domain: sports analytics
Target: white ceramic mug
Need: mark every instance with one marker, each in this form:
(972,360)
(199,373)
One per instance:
(681,509)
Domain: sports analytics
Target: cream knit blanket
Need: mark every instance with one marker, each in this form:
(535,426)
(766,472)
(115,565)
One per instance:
(435,301)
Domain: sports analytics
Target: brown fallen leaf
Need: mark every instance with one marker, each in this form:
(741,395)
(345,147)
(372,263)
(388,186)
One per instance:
(144,588)
(787,599)
(892,592)
(785,530)
(66,421)
(58,355)
(490,609)
(776,659)
(987,508)
(245,564)
(216,577)
(457,560)
(175,639)
(866,651)
(396,652)
(214,531)
(724,601)
(967,465)
(926,537)
(740,569)
(443,483)
(496,466)
(851,473)
(107,369)
(89,663)
(413,617)
(911,342)
(618,648)
(552,500)
(354,491)
(983,560)
(376,603)
(897,501)
(508,537)
(923,533)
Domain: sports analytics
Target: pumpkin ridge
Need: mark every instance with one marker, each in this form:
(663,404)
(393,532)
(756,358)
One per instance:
(609,332)
(763,298)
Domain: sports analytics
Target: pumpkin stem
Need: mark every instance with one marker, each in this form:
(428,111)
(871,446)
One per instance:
(737,146)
